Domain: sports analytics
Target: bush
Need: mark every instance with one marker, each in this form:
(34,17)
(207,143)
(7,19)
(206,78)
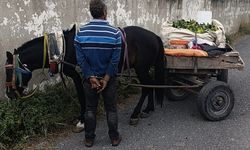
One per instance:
(21,119)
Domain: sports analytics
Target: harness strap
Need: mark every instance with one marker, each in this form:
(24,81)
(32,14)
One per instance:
(8,84)
(18,74)
(45,44)
(30,94)
(61,66)
(14,72)
(23,71)
(125,56)
(9,66)
(62,55)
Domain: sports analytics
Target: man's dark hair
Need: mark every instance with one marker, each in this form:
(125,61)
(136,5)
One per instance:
(97,8)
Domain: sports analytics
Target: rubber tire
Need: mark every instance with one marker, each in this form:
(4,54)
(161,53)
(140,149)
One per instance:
(223,75)
(172,96)
(209,92)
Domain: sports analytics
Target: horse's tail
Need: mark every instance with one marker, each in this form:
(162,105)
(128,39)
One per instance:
(160,72)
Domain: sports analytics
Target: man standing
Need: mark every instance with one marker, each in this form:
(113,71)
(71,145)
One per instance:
(98,49)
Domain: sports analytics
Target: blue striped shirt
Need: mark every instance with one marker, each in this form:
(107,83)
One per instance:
(98,48)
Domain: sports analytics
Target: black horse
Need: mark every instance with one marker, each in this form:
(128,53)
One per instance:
(145,50)
(31,54)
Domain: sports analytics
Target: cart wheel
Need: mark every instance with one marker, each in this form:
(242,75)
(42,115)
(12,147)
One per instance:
(177,94)
(215,100)
(223,75)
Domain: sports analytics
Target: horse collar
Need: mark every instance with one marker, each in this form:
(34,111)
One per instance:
(54,45)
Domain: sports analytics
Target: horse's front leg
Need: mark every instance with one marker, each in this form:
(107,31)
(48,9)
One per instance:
(81,97)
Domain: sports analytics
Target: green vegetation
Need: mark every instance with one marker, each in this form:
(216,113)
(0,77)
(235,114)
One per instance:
(194,26)
(38,115)
(43,113)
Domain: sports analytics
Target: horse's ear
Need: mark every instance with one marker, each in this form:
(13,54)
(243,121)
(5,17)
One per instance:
(15,52)
(9,55)
(73,29)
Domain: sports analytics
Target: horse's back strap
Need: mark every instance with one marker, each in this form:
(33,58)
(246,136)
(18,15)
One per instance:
(9,66)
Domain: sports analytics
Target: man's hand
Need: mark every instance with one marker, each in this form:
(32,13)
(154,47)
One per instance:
(103,83)
(95,84)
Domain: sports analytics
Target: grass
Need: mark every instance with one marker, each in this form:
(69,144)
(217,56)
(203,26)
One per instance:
(35,116)
(43,115)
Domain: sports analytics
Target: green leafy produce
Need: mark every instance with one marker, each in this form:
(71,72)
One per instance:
(194,26)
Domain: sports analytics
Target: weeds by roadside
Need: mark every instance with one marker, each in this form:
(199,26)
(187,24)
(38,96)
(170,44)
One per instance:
(38,115)
(42,114)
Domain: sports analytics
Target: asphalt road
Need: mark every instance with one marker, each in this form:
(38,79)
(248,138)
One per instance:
(179,126)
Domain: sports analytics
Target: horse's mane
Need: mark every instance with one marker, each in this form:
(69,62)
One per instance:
(28,43)
(36,40)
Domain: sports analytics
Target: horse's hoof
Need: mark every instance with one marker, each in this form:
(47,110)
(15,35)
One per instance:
(144,115)
(133,121)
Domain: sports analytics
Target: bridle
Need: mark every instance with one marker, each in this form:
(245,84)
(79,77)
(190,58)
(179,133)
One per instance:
(9,70)
(16,70)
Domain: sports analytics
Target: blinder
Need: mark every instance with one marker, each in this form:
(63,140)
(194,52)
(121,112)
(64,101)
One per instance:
(17,75)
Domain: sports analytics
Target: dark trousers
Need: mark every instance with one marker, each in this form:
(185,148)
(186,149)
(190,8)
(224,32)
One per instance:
(92,98)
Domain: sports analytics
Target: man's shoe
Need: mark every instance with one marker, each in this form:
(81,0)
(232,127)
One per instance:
(78,128)
(116,141)
(89,142)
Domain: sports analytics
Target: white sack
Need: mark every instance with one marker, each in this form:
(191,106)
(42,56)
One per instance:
(213,38)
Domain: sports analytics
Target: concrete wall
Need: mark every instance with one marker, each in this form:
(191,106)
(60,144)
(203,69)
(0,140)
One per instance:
(22,20)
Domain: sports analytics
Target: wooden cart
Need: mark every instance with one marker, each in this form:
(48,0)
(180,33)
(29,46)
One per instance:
(205,76)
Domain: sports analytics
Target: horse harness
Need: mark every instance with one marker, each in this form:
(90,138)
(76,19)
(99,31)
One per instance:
(54,45)
(17,69)
(125,54)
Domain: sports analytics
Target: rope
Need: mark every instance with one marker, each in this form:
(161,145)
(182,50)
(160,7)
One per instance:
(29,95)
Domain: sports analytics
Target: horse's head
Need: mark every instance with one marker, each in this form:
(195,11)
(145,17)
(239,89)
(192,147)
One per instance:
(32,54)
(17,76)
